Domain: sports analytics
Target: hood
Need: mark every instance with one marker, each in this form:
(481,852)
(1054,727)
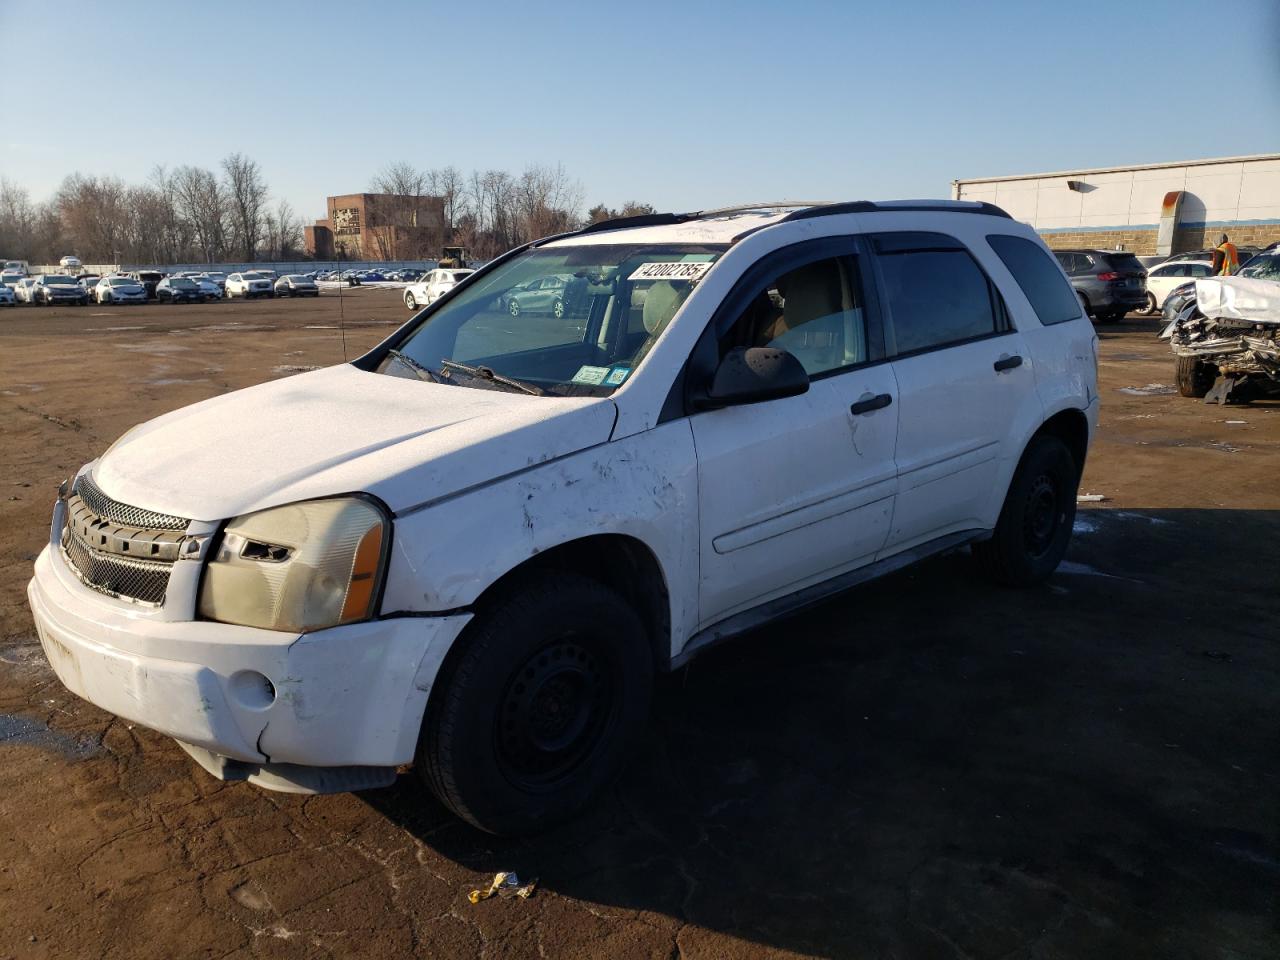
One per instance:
(341,430)
(1239,298)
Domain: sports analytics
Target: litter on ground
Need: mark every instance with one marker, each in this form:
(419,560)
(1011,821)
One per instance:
(505,884)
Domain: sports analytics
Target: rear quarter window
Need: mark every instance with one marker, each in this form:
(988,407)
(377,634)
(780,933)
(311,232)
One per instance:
(1049,293)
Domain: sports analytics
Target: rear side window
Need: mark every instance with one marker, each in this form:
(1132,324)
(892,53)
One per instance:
(937,294)
(1125,263)
(1050,295)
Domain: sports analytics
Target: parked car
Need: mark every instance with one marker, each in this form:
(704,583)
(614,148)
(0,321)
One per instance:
(15,266)
(432,287)
(218,278)
(149,279)
(471,548)
(88,281)
(22,290)
(11,280)
(178,290)
(208,289)
(120,289)
(1162,279)
(1109,283)
(7,298)
(539,295)
(1226,341)
(296,285)
(51,288)
(248,285)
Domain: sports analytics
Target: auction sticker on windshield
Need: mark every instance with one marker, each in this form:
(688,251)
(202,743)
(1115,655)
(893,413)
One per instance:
(592,375)
(670,271)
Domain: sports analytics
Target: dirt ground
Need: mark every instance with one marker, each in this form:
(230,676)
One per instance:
(927,767)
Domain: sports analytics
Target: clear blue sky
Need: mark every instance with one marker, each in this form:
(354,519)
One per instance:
(684,104)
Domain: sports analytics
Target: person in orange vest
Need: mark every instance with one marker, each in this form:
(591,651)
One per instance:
(1226,258)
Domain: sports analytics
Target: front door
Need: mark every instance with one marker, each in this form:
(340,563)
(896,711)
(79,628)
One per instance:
(797,490)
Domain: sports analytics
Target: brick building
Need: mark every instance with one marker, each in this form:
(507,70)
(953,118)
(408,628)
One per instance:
(1194,201)
(377,226)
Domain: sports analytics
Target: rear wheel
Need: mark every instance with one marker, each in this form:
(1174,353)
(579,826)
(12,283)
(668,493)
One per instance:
(557,309)
(538,705)
(410,301)
(1035,522)
(1195,378)
(513,307)
(1152,308)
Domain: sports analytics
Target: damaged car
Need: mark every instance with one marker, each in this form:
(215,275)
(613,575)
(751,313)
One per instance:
(470,549)
(1226,337)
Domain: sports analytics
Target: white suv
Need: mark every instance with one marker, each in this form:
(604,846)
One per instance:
(432,287)
(471,548)
(251,284)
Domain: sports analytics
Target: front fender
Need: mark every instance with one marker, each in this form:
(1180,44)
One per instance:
(645,486)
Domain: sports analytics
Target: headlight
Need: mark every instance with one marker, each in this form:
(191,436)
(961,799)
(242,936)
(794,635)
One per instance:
(303,567)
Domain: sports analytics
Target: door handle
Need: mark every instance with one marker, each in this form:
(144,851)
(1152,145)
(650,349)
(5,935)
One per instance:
(1008,363)
(878,402)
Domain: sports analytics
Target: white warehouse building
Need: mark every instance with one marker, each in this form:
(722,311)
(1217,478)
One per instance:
(1147,209)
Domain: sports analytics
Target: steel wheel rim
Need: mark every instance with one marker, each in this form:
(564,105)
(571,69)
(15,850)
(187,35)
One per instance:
(556,709)
(1040,520)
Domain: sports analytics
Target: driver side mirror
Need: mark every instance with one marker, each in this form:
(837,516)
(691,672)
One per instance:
(753,374)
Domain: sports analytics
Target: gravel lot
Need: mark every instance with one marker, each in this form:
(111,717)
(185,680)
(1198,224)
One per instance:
(926,767)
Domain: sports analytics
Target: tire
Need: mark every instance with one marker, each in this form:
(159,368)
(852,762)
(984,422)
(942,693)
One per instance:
(410,302)
(1195,378)
(557,308)
(1111,316)
(513,307)
(1034,529)
(1152,308)
(1084,302)
(566,660)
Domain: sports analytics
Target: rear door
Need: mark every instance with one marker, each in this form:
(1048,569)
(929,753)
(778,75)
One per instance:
(797,490)
(963,376)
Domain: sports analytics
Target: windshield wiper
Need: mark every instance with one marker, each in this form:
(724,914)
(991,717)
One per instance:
(487,373)
(424,373)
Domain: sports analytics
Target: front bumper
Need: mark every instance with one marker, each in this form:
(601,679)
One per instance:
(350,696)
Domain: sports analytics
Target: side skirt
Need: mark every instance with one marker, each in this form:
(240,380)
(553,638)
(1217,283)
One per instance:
(748,620)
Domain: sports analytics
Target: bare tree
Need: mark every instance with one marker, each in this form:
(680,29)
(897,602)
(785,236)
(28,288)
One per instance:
(248,197)
(203,205)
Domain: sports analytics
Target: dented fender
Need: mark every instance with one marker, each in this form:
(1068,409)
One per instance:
(645,486)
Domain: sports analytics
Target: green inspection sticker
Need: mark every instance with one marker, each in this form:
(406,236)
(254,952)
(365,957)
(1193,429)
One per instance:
(616,376)
(591,375)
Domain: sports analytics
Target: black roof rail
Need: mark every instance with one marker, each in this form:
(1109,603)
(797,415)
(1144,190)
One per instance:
(640,220)
(893,206)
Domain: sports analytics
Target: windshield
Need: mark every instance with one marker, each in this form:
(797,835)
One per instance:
(569,321)
(122,282)
(459,275)
(297,278)
(253,276)
(1262,267)
(66,280)
(182,283)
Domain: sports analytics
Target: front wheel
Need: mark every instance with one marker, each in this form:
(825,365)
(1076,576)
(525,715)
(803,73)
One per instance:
(1152,307)
(557,309)
(1195,378)
(1031,536)
(538,705)
(513,307)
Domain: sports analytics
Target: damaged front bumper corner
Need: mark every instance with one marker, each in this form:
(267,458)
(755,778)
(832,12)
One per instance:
(333,710)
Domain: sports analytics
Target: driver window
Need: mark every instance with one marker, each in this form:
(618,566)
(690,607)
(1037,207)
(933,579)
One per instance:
(814,312)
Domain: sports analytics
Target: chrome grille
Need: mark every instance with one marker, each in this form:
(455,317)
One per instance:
(144,580)
(123,513)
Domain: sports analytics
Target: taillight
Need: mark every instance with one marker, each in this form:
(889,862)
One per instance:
(1109,275)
